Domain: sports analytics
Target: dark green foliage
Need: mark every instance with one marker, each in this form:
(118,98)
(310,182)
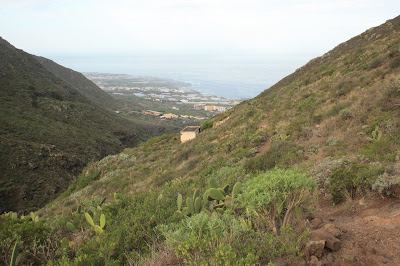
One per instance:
(395,63)
(344,87)
(133,228)
(31,238)
(281,153)
(207,125)
(86,87)
(383,150)
(376,63)
(49,131)
(197,205)
(213,199)
(191,239)
(226,189)
(354,178)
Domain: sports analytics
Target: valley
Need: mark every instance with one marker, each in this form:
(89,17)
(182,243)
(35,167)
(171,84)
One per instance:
(306,173)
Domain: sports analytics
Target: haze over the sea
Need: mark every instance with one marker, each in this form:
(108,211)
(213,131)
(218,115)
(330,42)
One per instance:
(230,76)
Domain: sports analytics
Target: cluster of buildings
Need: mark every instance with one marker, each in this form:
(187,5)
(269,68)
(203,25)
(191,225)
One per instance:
(217,108)
(170,115)
(178,96)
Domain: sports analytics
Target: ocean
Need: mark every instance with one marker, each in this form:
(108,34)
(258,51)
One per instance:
(229,76)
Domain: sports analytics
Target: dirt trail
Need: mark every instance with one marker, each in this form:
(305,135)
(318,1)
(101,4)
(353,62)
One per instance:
(265,147)
(370,231)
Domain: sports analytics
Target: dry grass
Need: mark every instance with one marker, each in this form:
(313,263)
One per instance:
(159,257)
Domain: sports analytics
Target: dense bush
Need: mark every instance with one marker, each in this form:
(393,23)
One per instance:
(383,150)
(387,185)
(36,243)
(203,239)
(232,237)
(206,125)
(354,178)
(130,229)
(276,194)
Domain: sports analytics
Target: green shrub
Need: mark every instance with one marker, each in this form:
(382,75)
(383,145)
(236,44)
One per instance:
(383,150)
(386,184)
(203,239)
(354,178)
(276,194)
(345,113)
(131,229)
(395,62)
(377,62)
(281,154)
(36,243)
(335,110)
(83,180)
(206,125)
(229,175)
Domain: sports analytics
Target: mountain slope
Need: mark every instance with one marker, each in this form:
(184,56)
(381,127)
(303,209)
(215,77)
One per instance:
(49,131)
(78,81)
(337,118)
(326,110)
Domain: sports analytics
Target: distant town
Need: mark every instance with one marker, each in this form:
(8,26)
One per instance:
(163,91)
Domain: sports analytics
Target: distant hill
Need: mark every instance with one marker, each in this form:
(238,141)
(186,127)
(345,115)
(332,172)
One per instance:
(52,123)
(78,81)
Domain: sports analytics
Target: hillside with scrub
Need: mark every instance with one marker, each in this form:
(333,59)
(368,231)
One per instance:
(282,179)
(53,121)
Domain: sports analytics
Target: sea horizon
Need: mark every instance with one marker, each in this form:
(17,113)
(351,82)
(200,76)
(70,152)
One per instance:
(229,76)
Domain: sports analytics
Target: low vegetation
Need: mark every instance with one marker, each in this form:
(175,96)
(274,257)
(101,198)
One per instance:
(330,129)
(234,225)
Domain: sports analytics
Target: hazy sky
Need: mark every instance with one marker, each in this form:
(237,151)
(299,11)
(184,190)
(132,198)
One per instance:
(76,27)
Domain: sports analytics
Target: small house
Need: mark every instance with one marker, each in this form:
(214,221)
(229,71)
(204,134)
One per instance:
(189,133)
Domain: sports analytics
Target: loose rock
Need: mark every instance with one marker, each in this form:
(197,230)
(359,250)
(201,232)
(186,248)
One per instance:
(315,248)
(333,230)
(316,223)
(331,242)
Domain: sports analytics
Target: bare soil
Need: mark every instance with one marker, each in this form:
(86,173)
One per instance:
(370,230)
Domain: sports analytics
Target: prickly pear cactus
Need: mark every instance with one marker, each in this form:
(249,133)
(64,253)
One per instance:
(215,194)
(190,205)
(236,189)
(179,201)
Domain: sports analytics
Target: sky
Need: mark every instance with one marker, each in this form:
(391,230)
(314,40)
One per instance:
(128,27)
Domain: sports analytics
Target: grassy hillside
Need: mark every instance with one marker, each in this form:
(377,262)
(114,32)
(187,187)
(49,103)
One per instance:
(49,131)
(78,81)
(328,110)
(335,122)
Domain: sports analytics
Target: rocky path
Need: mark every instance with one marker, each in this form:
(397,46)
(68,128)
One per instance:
(368,233)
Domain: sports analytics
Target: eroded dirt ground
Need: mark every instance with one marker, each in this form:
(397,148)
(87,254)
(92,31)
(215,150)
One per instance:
(370,230)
